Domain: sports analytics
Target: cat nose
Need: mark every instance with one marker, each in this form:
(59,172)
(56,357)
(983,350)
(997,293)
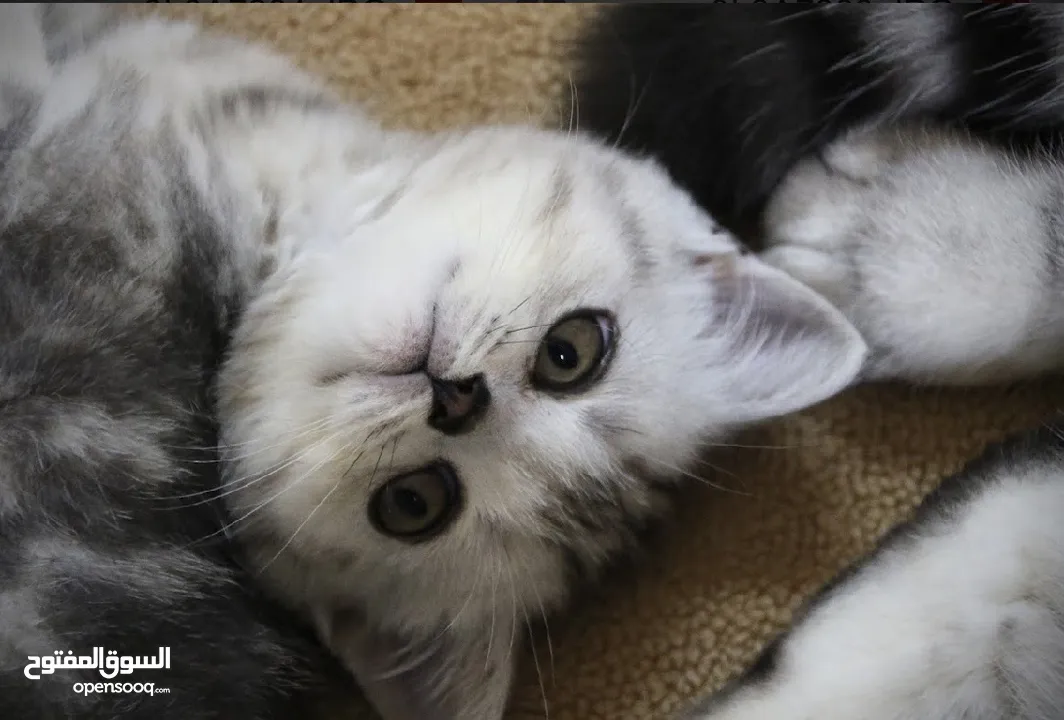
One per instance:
(458,405)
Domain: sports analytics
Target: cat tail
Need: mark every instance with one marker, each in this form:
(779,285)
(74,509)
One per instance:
(729,99)
(958,615)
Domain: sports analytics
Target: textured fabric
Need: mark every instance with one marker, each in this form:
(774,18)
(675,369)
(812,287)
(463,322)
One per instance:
(785,508)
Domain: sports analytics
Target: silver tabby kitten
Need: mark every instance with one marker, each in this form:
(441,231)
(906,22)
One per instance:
(461,371)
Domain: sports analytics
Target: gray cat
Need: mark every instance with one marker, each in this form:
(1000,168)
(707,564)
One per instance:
(454,375)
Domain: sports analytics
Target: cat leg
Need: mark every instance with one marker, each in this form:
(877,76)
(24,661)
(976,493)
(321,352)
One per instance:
(946,253)
(957,616)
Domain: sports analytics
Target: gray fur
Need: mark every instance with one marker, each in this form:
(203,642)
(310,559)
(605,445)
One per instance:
(117,288)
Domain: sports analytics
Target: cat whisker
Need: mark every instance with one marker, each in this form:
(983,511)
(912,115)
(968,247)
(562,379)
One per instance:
(796,15)
(230,446)
(465,604)
(528,327)
(324,499)
(699,478)
(395,447)
(230,486)
(519,306)
(620,429)
(535,662)
(296,433)
(634,102)
(857,94)
(288,487)
(724,446)
(494,612)
(334,428)
(469,597)
(546,628)
(514,624)
(705,463)
(405,661)
(513,607)
(574,107)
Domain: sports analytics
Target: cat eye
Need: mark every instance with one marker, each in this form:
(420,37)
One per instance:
(575,351)
(417,505)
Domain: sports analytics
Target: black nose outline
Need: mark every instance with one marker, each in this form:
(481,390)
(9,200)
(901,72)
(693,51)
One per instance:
(458,405)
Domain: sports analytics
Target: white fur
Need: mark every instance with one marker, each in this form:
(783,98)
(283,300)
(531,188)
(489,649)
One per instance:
(936,246)
(959,621)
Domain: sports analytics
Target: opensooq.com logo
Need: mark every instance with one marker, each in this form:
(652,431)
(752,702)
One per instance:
(109,663)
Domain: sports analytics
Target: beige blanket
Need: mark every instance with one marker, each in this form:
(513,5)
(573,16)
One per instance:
(777,517)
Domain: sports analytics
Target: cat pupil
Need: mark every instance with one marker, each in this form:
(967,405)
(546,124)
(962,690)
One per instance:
(563,354)
(411,503)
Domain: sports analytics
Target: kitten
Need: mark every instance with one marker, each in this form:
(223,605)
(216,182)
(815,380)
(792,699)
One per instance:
(943,246)
(458,373)
(730,99)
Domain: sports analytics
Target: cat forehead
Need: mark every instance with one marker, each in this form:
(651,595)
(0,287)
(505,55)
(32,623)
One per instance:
(547,193)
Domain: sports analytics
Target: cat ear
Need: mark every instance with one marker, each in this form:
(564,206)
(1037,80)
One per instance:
(448,675)
(785,347)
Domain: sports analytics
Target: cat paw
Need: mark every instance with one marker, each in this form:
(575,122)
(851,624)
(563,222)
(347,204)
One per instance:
(929,242)
(814,222)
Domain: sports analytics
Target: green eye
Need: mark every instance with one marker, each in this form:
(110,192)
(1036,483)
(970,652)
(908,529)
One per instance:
(575,352)
(417,505)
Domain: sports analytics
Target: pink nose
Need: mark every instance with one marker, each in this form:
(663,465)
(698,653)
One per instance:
(458,405)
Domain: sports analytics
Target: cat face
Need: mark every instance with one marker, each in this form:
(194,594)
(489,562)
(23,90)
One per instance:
(440,417)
